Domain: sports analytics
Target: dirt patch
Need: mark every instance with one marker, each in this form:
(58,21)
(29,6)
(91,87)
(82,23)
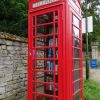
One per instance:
(94,74)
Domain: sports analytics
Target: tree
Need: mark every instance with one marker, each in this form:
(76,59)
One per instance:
(13,16)
(92,11)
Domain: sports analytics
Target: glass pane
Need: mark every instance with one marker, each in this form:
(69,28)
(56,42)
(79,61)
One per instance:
(47,41)
(56,98)
(46,77)
(33,31)
(76,42)
(76,86)
(33,43)
(76,53)
(33,97)
(76,64)
(56,55)
(76,21)
(41,97)
(56,90)
(50,65)
(34,87)
(45,53)
(47,88)
(44,30)
(45,18)
(46,65)
(40,64)
(40,76)
(56,28)
(33,21)
(77,96)
(56,16)
(33,75)
(76,32)
(33,63)
(76,75)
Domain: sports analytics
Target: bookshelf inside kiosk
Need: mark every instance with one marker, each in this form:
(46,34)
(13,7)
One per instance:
(45,50)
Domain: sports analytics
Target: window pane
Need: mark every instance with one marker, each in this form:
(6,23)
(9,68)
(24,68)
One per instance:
(33,21)
(56,16)
(76,86)
(47,41)
(56,28)
(45,88)
(76,32)
(76,21)
(77,96)
(33,31)
(76,64)
(45,53)
(76,75)
(44,30)
(45,18)
(76,42)
(41,97)
(76,53)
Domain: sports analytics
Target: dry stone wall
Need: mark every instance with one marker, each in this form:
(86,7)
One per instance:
(13,67)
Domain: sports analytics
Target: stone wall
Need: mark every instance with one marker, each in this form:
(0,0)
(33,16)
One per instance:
(13,67)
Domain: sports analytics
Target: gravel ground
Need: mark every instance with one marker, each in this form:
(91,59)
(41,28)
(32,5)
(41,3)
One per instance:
(94,74)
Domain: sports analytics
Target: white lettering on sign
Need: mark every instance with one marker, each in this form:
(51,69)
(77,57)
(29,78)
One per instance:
(42,2)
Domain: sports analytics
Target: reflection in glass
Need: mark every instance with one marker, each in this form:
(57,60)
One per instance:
(56,16)
(33,75)
(76,64)
(33,43)
(45,88)
(56,53)
(45,53)
(40,53)
(77,96)
(40,64)
(76,75)
(76,21)
(44,30)
(41,97)
(76,86)
(45,18)
(47,41)
(76,42)
(56,28)
(76,32)
(33,21)
(33,31)
(76,53)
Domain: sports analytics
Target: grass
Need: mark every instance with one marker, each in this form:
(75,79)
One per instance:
(91,90)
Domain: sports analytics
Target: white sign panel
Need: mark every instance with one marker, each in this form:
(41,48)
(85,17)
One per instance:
(43,2)
(83,25)
(89,24)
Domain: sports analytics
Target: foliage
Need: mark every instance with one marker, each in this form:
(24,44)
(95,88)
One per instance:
(92,11)
(13,16)
(91,90)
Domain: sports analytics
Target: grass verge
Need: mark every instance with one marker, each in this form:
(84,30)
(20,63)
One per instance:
(91,90)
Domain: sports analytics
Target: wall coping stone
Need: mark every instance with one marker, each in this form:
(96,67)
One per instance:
(12,37)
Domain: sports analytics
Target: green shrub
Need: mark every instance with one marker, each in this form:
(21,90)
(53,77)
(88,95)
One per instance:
(91,90)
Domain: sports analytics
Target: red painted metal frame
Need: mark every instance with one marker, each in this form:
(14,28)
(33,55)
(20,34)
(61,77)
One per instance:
(80,69)
(65,46)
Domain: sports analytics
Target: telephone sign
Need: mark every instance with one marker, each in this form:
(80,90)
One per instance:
(42,2)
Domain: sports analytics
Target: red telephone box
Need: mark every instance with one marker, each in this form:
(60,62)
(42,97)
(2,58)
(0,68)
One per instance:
(55,50)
